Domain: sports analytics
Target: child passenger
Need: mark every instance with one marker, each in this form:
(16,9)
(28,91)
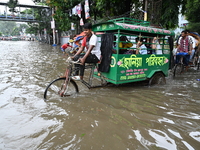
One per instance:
(156,46)
(141,48)
(124,43)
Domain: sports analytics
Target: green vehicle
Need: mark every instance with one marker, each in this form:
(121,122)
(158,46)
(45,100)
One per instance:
(131,51)
(15,39)
(130,66)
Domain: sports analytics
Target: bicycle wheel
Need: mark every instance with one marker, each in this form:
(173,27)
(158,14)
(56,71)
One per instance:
(178,69)
(198,63)
(57,89)
(195,62)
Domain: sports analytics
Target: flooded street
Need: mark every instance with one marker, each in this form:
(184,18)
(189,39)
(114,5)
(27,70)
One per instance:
(128,117)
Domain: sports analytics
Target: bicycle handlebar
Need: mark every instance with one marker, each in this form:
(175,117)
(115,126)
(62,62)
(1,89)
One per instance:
(69,60)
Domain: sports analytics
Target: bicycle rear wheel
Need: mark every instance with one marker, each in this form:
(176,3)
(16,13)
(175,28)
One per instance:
(178,69)
(195,62)
(198,66)
(57,89)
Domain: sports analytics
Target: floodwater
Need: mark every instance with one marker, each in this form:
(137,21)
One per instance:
(128,117)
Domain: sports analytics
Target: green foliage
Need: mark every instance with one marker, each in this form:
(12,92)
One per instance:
(114,7)
(170,12)
(194,27)
(62,10)
(11,28)
(1,33)
(33,29)
(108,9)
(193,11)
(12,4)
(192,15)
(44,16)
(99,9)
(6,27)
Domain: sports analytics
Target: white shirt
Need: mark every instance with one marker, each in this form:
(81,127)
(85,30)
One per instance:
(143,49)
(191,41)
(158,49)
(96,49)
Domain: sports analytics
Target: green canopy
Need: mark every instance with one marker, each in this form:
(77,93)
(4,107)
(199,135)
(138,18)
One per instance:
(130,25)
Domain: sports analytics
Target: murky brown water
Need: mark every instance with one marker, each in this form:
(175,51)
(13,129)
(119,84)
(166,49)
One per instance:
(128,117)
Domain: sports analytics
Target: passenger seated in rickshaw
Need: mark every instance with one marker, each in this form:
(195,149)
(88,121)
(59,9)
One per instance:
(150,50)
(77,40)
(184,48)
(124,43)
(194,49)
(140,47)
(114,50)
(156,46)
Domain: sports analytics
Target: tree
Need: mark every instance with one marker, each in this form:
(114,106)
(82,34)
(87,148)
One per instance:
(114,8)
(43,15)
(6,27)
(12,4)
(193,9)
(170,11)
(11,28)
(62,13)
(194,27)
(160,12)
(98,9)
(192,15)
(20,28)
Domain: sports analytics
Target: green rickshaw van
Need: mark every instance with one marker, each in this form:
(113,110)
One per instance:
(132,51)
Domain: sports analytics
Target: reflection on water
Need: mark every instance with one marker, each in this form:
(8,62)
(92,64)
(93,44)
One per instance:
(125,117)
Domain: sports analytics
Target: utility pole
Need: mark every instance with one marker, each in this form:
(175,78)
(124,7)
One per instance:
(145,9)
(53,28)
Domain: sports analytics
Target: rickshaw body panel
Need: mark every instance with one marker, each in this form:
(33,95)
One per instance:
(132,68)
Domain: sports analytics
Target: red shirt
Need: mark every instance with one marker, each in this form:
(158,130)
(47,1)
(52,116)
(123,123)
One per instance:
(64,46)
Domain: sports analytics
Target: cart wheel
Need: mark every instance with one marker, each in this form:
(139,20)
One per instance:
(157,79)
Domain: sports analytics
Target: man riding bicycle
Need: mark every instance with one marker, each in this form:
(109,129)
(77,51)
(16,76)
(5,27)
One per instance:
(92,54)
(184,48)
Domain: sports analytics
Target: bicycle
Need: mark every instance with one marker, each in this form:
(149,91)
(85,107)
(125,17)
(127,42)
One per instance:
(179,67)
(65,86)
(196,61)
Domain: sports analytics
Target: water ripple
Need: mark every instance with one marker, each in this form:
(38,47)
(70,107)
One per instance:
(131,116)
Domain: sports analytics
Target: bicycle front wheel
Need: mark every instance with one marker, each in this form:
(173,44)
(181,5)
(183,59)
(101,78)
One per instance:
(178,69)
(58,88)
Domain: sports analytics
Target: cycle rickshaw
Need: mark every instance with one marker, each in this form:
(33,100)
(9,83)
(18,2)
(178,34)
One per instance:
(180,67)
(117,68)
